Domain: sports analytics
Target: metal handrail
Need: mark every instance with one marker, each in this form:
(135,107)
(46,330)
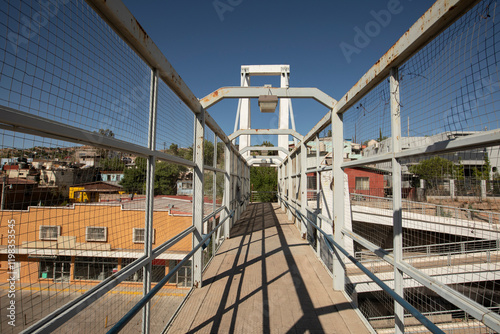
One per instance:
(69,310)
(137,307)
(461,251)
(400,300)
(422,204)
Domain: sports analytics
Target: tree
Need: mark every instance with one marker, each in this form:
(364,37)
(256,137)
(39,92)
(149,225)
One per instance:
(112,164)
(165,180)
(269,144)
(134,179)
(432,170)
(483,173)
(174,149)
(208,153)
(458,171)
(264,179)
(186,153)
(102,152)
(166,176)
(380,137)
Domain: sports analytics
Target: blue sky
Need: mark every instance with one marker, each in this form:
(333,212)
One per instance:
(208,41)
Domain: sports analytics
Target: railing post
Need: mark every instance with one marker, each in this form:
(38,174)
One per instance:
(317,173)
(279,186)
(198,197)
(303,186)
(215,237)
(247,184)
(338,199)
(227,189)
(290,187)
(239,187)
(396,197)
(149,204)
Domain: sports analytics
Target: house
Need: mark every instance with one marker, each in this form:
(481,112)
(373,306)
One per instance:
(21,193)
(64,178)
(86,243)
(112,177)
(366,181)
(88,155)
(185,184)
(469,159)
(91,192)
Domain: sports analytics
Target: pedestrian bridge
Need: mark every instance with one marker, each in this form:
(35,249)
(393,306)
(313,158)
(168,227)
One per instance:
(266,279)
(177,245)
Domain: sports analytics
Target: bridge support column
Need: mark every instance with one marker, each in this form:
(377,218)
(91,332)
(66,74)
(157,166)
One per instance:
(148,221)
(396,195)
(303,187)
(290,187)
(199,134)
(338,199)
(227,189)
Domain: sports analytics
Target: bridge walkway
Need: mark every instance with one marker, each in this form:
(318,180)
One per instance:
(266,279)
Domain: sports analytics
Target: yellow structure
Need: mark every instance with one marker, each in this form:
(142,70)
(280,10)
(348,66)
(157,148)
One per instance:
(77,195)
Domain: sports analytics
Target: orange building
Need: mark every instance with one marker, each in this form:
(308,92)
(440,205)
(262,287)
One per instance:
(86,243)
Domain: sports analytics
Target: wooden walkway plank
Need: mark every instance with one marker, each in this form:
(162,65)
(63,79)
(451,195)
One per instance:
(266,279)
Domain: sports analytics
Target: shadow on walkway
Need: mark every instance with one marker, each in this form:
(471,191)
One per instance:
(266,279)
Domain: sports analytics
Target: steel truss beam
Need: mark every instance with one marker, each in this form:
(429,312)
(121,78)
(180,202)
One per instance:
(254,92)
(265,132)
(264,148)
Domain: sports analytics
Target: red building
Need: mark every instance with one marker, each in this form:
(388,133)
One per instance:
(366,181)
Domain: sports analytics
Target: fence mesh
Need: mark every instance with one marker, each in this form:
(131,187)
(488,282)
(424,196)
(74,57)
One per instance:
(448,90)
(77,211)
(64,63)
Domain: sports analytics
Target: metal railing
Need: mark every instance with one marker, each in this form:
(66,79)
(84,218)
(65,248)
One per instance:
(399,299)
(430,209)
(263,196)
(122,107)
(410,116)
(143,302)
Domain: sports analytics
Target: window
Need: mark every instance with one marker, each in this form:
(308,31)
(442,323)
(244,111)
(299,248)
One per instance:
(157,271)
(138,235)
(49,232)
(362,183)
(311,182)
(94,233)
(94,268)
(183,276)
(57,268)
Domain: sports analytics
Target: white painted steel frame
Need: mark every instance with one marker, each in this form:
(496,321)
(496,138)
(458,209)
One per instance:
(198,194)
(265,132)
(149,204)
(396,202)
(120,19)
(478,311)
(137,307)
(435,20)
(254,92)
(397,298)
(264,148)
